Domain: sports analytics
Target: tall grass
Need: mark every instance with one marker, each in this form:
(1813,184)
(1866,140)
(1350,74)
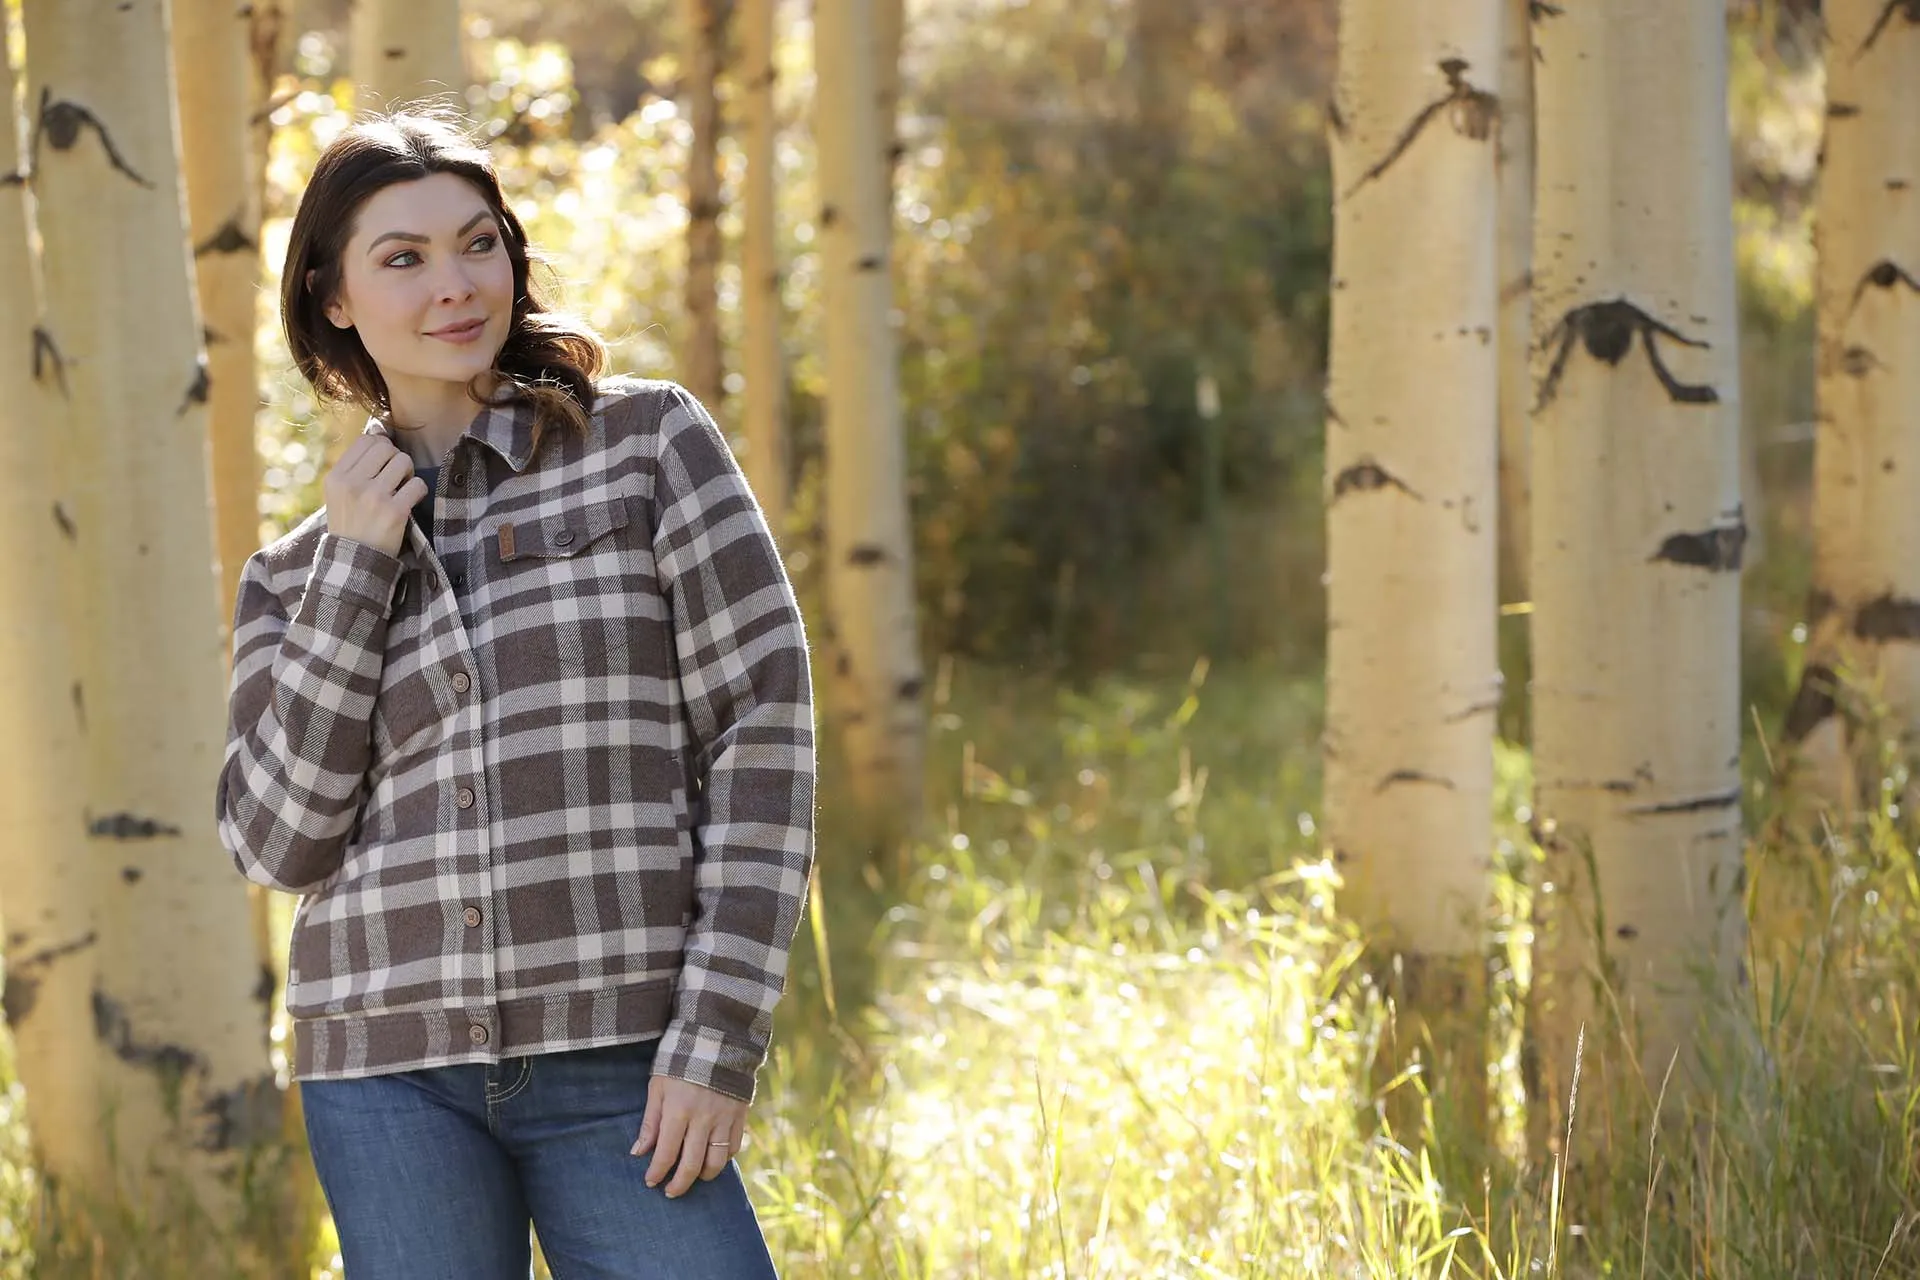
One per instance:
(1112,1026)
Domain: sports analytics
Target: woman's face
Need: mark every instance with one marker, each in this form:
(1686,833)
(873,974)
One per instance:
(427,282)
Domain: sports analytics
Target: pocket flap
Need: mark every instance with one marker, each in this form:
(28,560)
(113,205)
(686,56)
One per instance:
(562,535)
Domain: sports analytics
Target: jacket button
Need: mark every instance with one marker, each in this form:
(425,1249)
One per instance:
(461,683)
(563,537)
(464,797)
(458,479)
(472,916)
(477,1033)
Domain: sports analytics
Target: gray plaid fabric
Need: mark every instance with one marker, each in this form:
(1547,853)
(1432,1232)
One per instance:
(548,787)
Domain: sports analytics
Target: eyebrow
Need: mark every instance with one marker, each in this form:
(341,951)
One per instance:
(413,237)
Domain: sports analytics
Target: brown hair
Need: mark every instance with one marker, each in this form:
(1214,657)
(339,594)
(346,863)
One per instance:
(548,358)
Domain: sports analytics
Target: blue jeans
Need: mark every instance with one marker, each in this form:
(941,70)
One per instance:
(435,1174)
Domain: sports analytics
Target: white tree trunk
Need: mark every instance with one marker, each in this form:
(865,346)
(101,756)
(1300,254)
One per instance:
(404,50)
(763,356)
(1866,562)
(704,31)
(1413,684)
(873,665)
(214,37)
(889,42)
(1637,540)
(47,908)
(1516,286)
(177,1031)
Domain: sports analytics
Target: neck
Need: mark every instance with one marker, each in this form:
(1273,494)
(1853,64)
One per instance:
(428,417)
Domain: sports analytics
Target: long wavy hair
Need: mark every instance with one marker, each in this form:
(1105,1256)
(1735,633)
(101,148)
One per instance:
(548,359)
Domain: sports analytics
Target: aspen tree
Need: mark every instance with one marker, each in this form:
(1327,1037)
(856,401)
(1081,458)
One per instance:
(1413,684)
(47,896)
(214,38)
(872,651)
(704,31)
(1866,534)
(1638,534)
(178,1034)
(1516,284)
(763,359)
(404,50)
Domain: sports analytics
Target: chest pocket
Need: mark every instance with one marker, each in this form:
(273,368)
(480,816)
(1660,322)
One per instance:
(561,592)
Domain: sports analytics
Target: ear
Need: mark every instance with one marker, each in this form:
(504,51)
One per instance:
(335,312)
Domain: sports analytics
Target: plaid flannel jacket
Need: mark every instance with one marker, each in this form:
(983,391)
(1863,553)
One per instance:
(545,781)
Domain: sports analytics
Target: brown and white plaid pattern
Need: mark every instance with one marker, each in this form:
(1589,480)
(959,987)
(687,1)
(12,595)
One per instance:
(547,787)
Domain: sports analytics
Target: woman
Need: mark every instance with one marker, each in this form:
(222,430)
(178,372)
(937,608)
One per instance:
(523,714)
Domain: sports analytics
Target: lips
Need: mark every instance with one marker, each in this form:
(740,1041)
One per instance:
(464,331)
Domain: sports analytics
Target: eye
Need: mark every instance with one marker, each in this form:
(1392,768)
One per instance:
(395,260)
(484,242)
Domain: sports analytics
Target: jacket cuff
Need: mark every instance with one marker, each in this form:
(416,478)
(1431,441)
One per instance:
(709,1058)
(351,570)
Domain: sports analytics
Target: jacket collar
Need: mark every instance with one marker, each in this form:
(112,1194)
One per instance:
(506,429)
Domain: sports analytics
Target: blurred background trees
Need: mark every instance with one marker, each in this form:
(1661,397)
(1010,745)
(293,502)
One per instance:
(1103,984)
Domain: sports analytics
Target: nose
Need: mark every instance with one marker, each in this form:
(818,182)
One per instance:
(452,283)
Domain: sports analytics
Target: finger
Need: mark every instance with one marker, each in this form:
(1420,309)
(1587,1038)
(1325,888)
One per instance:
(693,1158)
(719,1150)
(666,1151)
(650,1120)
(392,477)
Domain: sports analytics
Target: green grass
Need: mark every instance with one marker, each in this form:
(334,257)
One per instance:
(1113,1027)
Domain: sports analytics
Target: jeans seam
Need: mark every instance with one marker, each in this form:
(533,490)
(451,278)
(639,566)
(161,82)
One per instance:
(513,1090)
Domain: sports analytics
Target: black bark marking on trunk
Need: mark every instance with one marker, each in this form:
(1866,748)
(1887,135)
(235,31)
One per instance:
(1842,110)
(1888,618)
(127,826)
(1471,111)
(79,707)
(1366,476)
(1908,11)
(1626,932)
(1489,707)
(1814,702)
(871,262)
(1336,119)
(230,238)
(1333,416)
(201,388)
(13,178)
(22,988)
(866,555)
(1898,184)
(265,985)
(394,52)
(115,1030)
(18,994)
(909,689)
(1692,804)
(829,215)
(1717,550)
(245,1117)
(1885,274)
(61,124)
(65,522)
(1407,777)
(1538,9)
(1857,361)
(1607,331)
(46,355)
(131,875)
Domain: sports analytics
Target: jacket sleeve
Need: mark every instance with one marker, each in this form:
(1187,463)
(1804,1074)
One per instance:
(742,657)
(299,713)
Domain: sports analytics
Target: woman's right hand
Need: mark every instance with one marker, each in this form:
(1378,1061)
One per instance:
(370,493)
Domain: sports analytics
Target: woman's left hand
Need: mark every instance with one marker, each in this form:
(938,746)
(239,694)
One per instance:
(692,1131)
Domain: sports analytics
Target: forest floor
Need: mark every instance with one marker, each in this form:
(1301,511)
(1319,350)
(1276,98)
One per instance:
(1112,1027)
